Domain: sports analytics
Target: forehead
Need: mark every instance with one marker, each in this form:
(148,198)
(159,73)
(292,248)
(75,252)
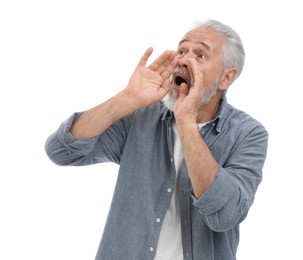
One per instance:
(206,37)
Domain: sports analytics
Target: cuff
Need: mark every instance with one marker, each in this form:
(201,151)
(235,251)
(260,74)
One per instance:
(79,147)
(217,195)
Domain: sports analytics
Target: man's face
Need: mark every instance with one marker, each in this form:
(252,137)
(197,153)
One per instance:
(204,46)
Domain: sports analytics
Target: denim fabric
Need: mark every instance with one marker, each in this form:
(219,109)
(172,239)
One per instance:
(142,144)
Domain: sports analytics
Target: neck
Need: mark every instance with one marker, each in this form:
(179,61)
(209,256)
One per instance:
(208,112)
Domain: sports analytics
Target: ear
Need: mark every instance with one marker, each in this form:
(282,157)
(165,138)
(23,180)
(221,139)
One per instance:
(227,78)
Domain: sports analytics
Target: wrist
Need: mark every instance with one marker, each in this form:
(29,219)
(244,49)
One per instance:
(127,101)
(130,100)
(187,128)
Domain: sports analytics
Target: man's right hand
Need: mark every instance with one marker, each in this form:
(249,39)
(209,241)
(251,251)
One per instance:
(148,85)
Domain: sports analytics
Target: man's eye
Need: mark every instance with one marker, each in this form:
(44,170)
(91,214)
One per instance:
(181,53)
(202,56)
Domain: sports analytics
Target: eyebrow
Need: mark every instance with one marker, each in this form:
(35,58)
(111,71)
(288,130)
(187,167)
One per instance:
(202,43)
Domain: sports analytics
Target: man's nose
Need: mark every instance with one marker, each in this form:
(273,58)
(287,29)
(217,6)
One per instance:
(183,61)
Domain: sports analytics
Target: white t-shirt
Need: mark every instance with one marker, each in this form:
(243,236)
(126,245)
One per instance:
(170,239)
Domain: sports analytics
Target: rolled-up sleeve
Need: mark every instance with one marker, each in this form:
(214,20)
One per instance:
(226,202)
(63,149)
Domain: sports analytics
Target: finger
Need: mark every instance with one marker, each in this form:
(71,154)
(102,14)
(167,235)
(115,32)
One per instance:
(145,57)
(169,69)
(196,90)
(158,63)
(166,85)
(166,62)
(184,90)
(196,74)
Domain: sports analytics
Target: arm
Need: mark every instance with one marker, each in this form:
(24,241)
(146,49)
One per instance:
(223,186)
(228,195)
(228,199)
(146,86)
(74,143)
(201,165)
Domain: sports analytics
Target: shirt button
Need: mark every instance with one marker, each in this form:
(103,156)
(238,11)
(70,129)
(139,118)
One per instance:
(171,159)
(151,249)
(158,220)
(169,190)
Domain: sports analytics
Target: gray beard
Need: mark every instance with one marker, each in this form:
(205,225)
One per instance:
(170,99)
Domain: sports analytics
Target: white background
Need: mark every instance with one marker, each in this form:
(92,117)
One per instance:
(62,56)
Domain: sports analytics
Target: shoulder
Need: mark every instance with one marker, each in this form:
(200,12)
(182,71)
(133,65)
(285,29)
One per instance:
(231,117)
(243,120)
(234,126)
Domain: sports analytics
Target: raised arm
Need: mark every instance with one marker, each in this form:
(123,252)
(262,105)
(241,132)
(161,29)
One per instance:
(146,86)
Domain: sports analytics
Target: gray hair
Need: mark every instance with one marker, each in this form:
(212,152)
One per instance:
(233,54)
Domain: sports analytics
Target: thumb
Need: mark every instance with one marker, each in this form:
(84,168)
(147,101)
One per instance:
(184,89)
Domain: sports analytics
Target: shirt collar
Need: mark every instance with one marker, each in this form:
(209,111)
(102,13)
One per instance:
(166,113)
(217,121)
(221,114)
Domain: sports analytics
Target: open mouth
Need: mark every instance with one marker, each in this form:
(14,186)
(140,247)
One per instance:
(179,80)
(182,75)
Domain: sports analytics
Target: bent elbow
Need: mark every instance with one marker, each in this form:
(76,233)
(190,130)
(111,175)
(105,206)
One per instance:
(56,152)
(226,220)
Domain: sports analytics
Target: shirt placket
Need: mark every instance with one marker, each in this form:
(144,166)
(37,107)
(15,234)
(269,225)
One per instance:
(167,192)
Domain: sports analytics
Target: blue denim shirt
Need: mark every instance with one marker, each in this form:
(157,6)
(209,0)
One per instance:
(142,144)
